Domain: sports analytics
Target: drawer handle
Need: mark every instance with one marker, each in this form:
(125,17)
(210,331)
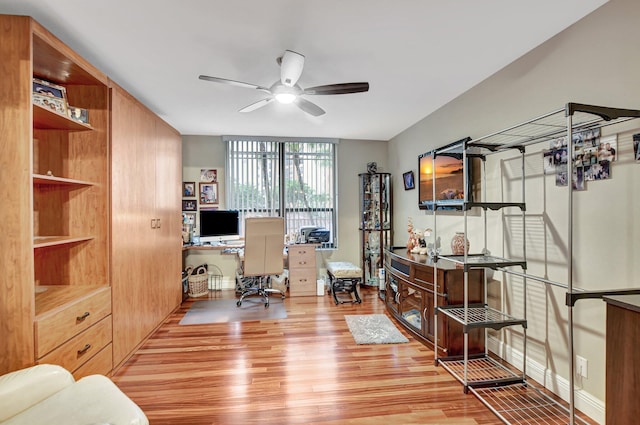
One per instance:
(302,252)
(303,280)
(84,349)
(301,263)
(84,316)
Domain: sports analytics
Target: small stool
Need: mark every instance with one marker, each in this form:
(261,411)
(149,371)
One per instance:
(344,277)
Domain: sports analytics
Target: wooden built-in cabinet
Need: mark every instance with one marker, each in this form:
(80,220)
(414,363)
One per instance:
(55,294)
(64,298)
(146,249)
(409,292)
(302,270)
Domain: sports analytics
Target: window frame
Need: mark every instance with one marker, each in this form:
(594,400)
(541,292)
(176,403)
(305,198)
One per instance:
(281,209)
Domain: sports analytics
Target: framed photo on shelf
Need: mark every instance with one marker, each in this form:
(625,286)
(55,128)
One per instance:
(189,205)
(409,180)
(188,189)
(50,96)
(79,114)
(208,193)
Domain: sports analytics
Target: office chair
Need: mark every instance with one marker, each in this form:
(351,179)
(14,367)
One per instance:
(263,252)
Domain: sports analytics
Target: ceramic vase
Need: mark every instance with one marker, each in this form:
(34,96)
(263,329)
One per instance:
(459,243)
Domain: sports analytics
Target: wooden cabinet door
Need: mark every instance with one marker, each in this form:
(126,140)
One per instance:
(168,208)
(132,236)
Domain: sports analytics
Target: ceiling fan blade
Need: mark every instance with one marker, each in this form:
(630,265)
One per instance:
(309,107)
(257,105)
(233,83)
(291,66)
(344,88)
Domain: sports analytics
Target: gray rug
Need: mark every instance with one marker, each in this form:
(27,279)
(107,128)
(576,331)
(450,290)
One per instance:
(374,329)
(223,311)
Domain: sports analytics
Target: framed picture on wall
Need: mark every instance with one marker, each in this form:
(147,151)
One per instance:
(188,189)
(209,175)
(409,181)
(208,193)
(189,205)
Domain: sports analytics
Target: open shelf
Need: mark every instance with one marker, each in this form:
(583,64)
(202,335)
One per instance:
(480,316)
(480,371)
(46,119)
(553,125)
(495,206)
(45,241)
(59,181)
(523,404)
(481,261)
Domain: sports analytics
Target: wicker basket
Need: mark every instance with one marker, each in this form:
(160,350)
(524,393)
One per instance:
(198,282)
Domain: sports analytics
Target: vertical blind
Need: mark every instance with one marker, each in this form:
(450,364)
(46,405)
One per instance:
(291,178)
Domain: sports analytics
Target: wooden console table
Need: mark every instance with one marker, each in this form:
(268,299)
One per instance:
(409,296)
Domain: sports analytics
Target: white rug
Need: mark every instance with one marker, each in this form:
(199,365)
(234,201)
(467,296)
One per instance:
(374,329)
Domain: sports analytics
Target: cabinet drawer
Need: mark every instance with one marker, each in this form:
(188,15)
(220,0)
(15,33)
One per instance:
(302,256)
(75,352)
(57,327)
(100,364)
(302,282)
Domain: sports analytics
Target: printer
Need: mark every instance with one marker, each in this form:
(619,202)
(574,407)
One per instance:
(314,234)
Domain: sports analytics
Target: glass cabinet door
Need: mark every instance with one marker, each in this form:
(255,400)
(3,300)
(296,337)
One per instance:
(392,294)
(412,306)
(375,224)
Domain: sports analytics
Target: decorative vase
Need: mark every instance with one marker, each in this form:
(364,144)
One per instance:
(459,243)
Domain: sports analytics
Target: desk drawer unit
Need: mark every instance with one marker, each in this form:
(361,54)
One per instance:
(302,270)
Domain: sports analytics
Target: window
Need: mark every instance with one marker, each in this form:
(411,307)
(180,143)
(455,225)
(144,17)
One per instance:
(291,178)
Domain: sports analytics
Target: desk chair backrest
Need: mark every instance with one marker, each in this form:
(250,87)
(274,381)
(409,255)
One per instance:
(263,246)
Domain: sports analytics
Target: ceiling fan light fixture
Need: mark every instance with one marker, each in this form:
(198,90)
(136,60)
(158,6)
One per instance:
(285,98)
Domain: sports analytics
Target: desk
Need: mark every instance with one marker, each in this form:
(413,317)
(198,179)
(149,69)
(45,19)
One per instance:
(301,261)
(194,255)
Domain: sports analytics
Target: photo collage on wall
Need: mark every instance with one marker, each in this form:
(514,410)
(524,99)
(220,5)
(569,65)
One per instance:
(592,158)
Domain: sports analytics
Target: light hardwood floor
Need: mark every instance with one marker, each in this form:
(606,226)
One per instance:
(305,369)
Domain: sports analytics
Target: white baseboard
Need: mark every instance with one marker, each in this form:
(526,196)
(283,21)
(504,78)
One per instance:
(584,401)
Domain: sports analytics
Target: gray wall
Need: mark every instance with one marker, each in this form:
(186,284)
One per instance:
(595,61)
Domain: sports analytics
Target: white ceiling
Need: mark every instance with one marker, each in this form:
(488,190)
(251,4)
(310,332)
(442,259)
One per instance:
(417,55)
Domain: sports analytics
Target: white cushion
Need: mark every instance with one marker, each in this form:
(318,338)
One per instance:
(344,270)
(92,400)
(24,388)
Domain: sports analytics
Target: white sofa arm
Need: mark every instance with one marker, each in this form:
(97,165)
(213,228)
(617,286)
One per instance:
(24,388)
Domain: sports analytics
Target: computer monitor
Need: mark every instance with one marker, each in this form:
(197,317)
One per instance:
(219,225)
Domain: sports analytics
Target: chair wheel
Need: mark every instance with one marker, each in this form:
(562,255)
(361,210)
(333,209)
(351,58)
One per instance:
(239,303)
(266,305)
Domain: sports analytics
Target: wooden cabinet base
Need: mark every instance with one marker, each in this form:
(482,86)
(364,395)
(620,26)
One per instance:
(409,297)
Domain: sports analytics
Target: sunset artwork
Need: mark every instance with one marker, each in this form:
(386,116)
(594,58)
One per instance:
(449,178)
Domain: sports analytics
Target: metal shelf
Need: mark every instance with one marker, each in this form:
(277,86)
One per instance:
(480,371)
(480,316)
(523,404)
(495,206)
(475,261)
(552,126)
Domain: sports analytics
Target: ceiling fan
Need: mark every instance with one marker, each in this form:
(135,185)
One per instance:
(287,90)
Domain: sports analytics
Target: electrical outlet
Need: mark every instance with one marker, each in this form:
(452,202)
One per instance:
(582,367)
